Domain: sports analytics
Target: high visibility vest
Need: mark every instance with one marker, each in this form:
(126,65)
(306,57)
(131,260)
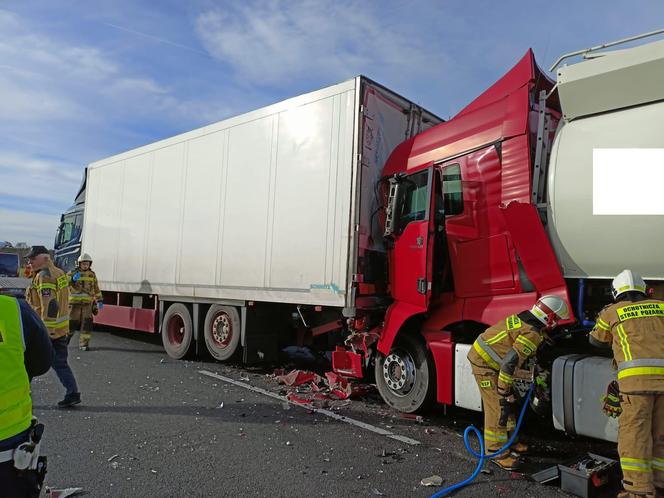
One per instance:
(15,401)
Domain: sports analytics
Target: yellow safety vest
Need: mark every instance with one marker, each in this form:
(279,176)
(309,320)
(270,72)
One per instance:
(15,401)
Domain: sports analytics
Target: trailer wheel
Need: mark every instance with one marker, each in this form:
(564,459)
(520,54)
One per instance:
(177,331)
(222,331)
(406,378)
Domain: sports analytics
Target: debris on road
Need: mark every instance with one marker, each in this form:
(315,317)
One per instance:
(113,457)
(62,493)
(432,481)
(409,416)
(328,391)
(221,405)
(115,465)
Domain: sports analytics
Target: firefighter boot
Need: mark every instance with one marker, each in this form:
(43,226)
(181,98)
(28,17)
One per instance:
(628,494)
(519,447)
(507,461)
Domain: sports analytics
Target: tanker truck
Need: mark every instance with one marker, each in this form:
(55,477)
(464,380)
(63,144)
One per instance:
(353,215)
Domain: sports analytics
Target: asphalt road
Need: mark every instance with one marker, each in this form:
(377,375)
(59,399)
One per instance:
(152,426)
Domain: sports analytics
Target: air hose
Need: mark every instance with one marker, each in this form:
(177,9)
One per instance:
(481,456)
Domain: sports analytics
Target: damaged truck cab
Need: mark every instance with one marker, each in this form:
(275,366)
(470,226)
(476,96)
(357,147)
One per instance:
(494,208)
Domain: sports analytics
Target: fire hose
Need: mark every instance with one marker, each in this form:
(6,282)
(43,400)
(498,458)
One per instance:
(471,429)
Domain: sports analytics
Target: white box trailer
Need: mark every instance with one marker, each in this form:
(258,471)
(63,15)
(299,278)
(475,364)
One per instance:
(276,205)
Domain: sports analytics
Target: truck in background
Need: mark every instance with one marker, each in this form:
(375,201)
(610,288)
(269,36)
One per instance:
(67,245)
(220,237)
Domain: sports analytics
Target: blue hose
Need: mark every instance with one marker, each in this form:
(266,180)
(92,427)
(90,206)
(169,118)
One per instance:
(481,456)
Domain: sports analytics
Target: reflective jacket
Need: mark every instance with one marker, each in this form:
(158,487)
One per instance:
(86,289)
(15,402)
(507,345)
(49,297)
(635,332)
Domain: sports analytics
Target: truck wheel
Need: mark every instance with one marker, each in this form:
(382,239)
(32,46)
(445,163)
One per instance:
(177,331)
(406,378)
(222,331)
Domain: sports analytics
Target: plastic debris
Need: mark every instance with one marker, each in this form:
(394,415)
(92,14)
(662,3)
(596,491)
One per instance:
(288,443)
(432,481)
(221,405)
(62,493)
(244,377)
(153,471)
(115,465)
(409,416)
(113,457)
(377,493)
(310,389)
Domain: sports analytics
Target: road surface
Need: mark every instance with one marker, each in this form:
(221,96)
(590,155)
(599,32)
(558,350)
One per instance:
(152,426)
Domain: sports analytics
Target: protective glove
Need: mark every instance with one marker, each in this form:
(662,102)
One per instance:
(76,276)
(611,400)
(507,408)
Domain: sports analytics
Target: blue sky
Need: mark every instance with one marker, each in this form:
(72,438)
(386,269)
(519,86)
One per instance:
(82,80)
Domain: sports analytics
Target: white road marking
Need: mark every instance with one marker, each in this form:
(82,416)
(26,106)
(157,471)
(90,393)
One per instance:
(327,413)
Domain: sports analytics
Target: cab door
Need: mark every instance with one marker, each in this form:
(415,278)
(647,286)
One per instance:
(410,256)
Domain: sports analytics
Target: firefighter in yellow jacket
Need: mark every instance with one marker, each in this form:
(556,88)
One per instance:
(495,356)
(48,295)
(84,300)
(634,328)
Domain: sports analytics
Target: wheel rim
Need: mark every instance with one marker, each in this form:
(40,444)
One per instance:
(221,330)
(176,330)
(399,372)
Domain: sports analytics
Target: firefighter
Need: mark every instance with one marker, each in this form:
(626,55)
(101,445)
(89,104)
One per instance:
(48,295)
(84,300)
(633,326)
(26,352)
(495,356)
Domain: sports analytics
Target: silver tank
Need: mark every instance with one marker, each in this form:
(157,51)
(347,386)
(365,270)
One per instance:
(611,102)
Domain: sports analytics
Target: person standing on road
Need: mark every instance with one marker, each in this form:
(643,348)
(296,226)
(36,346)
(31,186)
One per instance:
(633,326)
(85,300)
(495,356)
(49,297)
(25,352)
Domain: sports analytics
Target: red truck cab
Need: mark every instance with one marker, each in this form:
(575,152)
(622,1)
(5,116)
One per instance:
(466,245)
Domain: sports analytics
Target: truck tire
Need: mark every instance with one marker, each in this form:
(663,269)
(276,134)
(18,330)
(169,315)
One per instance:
(222,331)
(406,378)
(177,331)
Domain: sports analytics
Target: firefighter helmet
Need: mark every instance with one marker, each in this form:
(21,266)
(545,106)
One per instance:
(550,310)
(85,257)
(627,281)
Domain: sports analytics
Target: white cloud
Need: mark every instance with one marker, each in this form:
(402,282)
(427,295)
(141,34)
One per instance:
(23,226)
(275,42)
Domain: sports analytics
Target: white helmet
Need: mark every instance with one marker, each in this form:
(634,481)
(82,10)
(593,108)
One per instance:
(627,281)
(550,309)
(85,257)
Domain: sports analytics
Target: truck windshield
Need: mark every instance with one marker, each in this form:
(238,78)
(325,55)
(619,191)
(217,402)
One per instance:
(70,229)
(9,264)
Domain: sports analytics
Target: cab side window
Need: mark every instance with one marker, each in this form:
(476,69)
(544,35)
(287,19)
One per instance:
(413,200)
(452,190)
